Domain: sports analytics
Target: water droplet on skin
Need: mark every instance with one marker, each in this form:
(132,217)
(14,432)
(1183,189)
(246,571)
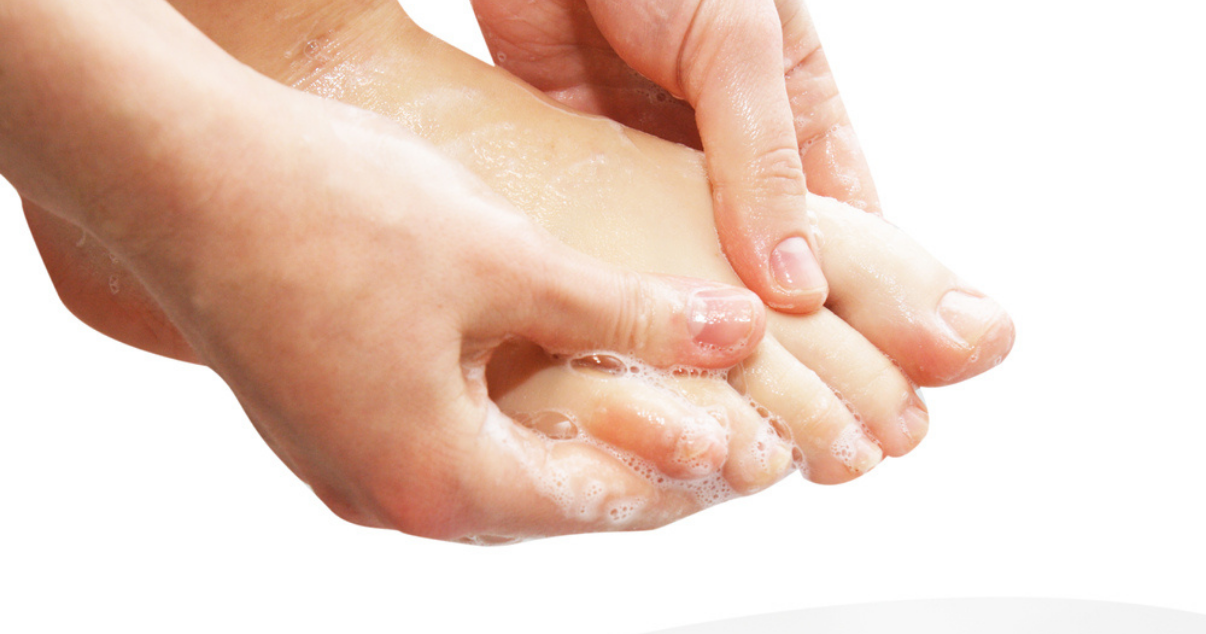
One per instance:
(601,362)
(114,284)
(554,425)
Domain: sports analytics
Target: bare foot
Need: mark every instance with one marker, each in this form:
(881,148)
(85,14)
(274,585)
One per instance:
(836,387)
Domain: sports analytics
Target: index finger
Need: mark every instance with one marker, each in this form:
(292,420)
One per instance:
(726,60)
(733,75)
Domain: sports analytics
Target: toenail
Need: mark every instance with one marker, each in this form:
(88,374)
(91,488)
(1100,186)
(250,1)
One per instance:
(721,317)
(856,450)
(915,421)
(868,455)
(970,316)
(795,267)
(778,462)
(699,447)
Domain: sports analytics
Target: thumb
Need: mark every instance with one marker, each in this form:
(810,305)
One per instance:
(570,302)
(730,68)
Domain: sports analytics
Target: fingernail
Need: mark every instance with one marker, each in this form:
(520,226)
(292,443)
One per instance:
(969,316)
(795,267)
(916,419)
(721,317)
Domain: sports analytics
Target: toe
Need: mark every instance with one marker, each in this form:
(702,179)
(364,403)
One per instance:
(517,483)
(866,379)
(833,444)
(758,455)
(601,398)
(910,306)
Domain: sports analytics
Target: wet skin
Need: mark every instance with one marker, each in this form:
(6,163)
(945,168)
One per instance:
(833,392)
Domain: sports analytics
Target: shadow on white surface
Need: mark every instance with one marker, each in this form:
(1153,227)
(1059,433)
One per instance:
(960,616)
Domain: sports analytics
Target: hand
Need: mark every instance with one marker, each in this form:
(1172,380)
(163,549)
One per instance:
(355,324)
(758,93)
(348,283)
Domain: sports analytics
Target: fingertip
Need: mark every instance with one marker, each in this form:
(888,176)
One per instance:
(787,277)
(790,278)
(836,168)
(724,325)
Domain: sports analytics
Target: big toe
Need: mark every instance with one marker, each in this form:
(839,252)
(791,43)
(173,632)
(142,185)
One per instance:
(935,326)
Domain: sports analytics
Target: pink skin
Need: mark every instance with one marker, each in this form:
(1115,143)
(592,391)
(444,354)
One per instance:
(745,80)
(884,296)
(353,336)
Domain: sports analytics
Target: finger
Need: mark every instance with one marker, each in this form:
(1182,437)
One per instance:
(914,309)
(833,443)
(602,398)
(858,372)
(729,67)
(833,160)
(735,82)
(561,52)
(568,302)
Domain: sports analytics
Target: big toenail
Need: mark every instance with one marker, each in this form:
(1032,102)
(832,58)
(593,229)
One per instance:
(721,317)
(795,267)
(969,316)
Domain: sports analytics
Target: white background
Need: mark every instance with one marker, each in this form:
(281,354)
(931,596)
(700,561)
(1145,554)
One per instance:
(1050,151)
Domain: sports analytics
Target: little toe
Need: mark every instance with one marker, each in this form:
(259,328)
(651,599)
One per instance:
(914,309)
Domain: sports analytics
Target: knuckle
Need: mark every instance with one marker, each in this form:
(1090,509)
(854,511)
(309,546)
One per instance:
(636,316)
(777,172)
